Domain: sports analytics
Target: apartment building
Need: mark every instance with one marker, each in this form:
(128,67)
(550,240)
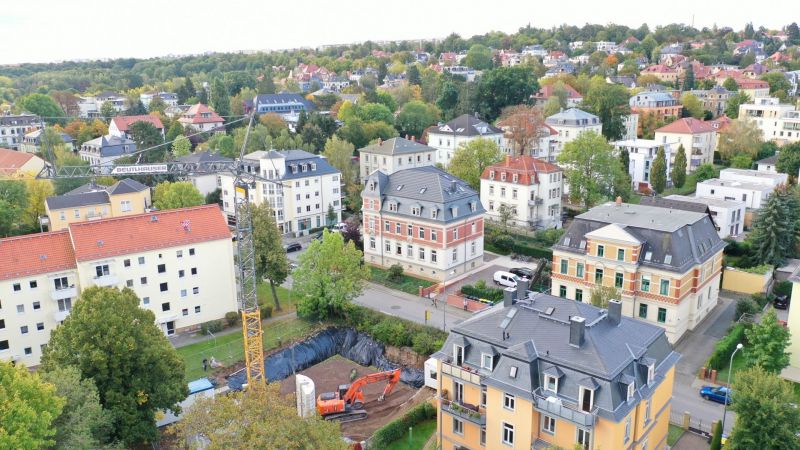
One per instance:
(169,98)
(728,215)
(777,121)
(571,123)
(753,187)
(206,183)
(641,154)
(394,154)
(532,188)
(14,164)
(546,372)
(32,142)
(662,105)
(120,126)
(13,128)
(665,263)
(447,137)
(302,187)
(754,89)
(714,99)
(201,118)
(699,140)
(93,202)
(103,151)
(90,106)
(164,256)
(424,219)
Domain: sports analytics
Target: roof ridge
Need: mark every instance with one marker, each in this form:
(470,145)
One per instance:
(136,216)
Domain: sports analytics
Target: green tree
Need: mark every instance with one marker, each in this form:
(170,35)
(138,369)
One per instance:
(83,423)
(770,231)
(479,57)
(271,261)
(157,104)
(705,172)
(716,436)
(219,98)
(767,343)
(175,130)
(37,191)
(29,407)
(259,417)
(266,84)
(182,146)
(688,79)
(551,106)
(777,82)
(692,106)
(741,162)
(601,295)
(732,107)
(679,168)
(609,102)
(658,172)
(135,107)
(741,137)
(13,201)
(340,155)
(375,112)
(415,117)
(386,100)
(42,105)
(412,75)
(448,98)
(330,274)
(113,341)
(471,158)
(108,111)
(730,84)
(147,136)
(180,194)
(766,419)
(789,159)
(331,216)
(592,168)
(501,87)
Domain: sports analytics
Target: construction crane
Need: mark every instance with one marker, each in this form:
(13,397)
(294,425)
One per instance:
(347,404)
(244,181)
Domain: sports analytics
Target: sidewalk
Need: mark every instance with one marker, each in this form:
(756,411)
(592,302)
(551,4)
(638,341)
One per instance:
(182,340)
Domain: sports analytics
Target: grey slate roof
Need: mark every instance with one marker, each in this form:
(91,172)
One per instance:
(466,125)
(291,158)
(396,146)
(573,116)
(610,357)
(204,157)
(675,240)
(111,146)
(19,120)
(93,194)
(126,186)
(666,202)
(428,188)
(771,160)
(282,98)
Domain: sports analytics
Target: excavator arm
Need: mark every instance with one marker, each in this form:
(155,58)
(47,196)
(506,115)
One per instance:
(355,388)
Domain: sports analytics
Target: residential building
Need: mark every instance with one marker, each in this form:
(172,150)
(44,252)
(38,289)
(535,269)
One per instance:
(206,183)
(641,154)
(31,142)
(103,151)
(754,176)
(284,104)
(14,127)
(571,123)
(90,106)
(14,164)
(301,189)
(728,215)
(447,137)
(627,81)
(666,263)
(750,186)
(662,72)
(754,89)
(120,126)
(698,138)
(169,98)
(535,50)
(468,73)
(201,118)
(91,201)
(714,99)
(423,219)
(768,164)
(164,256)
(574,98)
(777,121)
(546,372)
(660,104)
(792,372)
(631,122)
(394,154)
(531,187)
(560,69)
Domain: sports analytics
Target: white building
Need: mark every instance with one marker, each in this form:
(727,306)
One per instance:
(642,153)
(447,137)
(304,186)
(14,127)
(631,122)
(754,176)
(201,118)
(208,182)
(169,98)
(531,187)
(728,215)
(394,154)
(699,140)
(90,106)
(166,257)
(103,151)
(742,185)
(777,121)
(768,164)
(569,124)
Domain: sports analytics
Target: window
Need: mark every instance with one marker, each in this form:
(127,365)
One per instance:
(388,246)
(397,228)
(61,283)
(28,351)
(163,287)
(162,268)
(509,401)
(77,213)
(145,300)
(579,270)
(65,304)
(662,315)
(415,210)
(664,287)
(598,276)
(179,253)
(583,438)
(620,254)
(37,305)
(409,251)
(181,273)
(3,345)
(486,361)
(33,284)
(195,290)
(645,284)
(579,295)
(434,235)
(101,271)
(514,194)
(410,230)
(40,326)
(433,256)
(143,281)
(483,396)
(141,260)
(562,291)
(184,293)
(551,383)
(23,329)
(646,411)
(483,436)
(126,263)
(2,324)
(125,205)
(458,426)
(458,354)
(421,254)
(197,309)
(651,373)
(508,434)
(421,232)
(564,265)
(586,399)
(627,429)
(185,311)
(386,226)
(194,271)
(129,283)
(455,234)
(434,213)
(165,306)
(601,250)
(372,243)
(549,424)
(631,390)
(643,310)
(455,255)
(458,391)
(618,278)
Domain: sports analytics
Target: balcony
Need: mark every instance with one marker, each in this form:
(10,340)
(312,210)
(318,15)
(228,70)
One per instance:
(535,202)
(59,316)
(464,411)
(467,374)
(566,411)
(106,280)
(61,294)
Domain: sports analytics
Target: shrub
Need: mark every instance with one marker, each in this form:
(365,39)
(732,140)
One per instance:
(266,311)
(213,326)
(783,288)
(550,236)
(391,332)
(726,346)
(426,343)
(394,331)
(395,272)
(503,242)
(760,299)
(396,429)
(231,317)
(746,306)
(489,293)
(758,270)
(735,248)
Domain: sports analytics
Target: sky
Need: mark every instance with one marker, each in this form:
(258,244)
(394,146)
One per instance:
(56,30)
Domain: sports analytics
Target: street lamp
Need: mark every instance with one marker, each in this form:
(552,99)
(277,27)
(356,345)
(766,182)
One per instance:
(730,370)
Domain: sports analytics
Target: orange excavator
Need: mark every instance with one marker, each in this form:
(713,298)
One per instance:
(347,404)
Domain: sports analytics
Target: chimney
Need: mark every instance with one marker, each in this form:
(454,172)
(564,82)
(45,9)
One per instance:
(522,289)
(619,201)
(413,139)
(577,328)
(453,186)
(508,296)
(380,141)
(615,312)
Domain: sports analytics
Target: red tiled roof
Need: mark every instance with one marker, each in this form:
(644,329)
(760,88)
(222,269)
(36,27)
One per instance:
(547,91)
(721,123)
(195,115)
(747,83)
(687,125)
(149,231)
(34,254)
(11,161)
(526,167)
(124,122)
(658,68)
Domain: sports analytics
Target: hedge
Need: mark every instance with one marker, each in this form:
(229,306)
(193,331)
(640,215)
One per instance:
(492,294)
(758,270)
(725,347)
(396,429)
(394,331)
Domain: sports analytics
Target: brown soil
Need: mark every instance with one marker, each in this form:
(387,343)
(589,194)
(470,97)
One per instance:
(329,374)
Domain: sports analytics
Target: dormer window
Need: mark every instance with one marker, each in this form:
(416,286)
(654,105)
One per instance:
(434,213)
(651,373)
(415,210)
(631,390)
(313,166)
(503,176)
(487,361)
(473,206)
(304,167)
(372,186)
(491,175)
(551,383)
(393,206)
(458,354)
(454,211)
(515,178)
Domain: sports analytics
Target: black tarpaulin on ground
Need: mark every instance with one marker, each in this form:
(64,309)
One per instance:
(347,342)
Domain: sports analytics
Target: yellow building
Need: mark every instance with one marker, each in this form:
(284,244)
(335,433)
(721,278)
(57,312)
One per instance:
(548,372)
(93,202)
(792,372)
(664,262)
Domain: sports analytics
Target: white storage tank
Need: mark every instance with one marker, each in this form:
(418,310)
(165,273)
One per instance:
(306,397)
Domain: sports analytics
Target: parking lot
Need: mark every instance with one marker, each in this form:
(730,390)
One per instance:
(487,275)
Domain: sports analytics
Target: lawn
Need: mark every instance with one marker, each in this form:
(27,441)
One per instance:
(675,433)
(405,283)
(228,349)
(288,304)
(738,364)
(419,436)
(688,187)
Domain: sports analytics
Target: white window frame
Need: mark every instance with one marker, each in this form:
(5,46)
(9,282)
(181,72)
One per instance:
(508,434)
(631,391)
(651,373)
(627,429)
(484,356)
(547,379)
(509,401)
(551,421)
(458,426)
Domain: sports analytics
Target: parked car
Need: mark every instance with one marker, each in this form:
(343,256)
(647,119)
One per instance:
(781,302)
(293,247)
(317,235)
(506,279)
(338,228)
(522,272)
(716,394)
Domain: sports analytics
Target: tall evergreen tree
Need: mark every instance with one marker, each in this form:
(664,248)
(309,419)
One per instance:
(769,232)
(658,172)
(679,168)
(688,80)
(625,159)
(220,100)
(266,85)
(412,75)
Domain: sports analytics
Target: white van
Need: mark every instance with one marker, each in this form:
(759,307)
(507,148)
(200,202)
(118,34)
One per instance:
(338,228)
(506,279)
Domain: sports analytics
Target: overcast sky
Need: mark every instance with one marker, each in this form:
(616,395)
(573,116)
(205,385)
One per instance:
(53,30)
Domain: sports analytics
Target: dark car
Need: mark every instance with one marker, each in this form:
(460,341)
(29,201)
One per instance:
(716,394)
(317,235)
(781,302)
(293,247)
(522,272)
